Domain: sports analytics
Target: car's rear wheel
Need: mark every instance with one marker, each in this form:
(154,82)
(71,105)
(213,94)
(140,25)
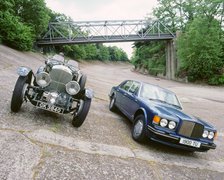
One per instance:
(19,93)
(139,129)
(80,117)
(112,105)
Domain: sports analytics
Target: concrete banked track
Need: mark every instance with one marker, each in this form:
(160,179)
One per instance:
(35,144)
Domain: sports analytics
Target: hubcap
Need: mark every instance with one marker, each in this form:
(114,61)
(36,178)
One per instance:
(112,102)
(138,128)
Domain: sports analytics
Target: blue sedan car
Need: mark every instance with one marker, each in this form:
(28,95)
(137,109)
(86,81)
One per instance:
(157,114)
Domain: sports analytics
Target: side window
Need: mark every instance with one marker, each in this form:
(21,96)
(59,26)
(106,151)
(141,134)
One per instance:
(126,85)
(135,87)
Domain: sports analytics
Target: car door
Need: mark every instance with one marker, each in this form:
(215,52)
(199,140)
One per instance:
(121,93)
(131,103)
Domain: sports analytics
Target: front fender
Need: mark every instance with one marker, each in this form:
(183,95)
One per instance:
(112,91)
(89,93)
(24,71)
(141,110)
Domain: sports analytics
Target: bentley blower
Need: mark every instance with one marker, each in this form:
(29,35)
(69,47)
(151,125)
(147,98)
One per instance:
(57,86)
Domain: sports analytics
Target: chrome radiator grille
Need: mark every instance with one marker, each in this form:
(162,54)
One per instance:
(191,129)
(59,78)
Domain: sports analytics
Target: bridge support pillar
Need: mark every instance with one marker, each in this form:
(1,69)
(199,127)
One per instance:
(171,62)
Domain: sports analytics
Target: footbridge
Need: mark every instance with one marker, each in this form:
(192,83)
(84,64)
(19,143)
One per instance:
(82,32)
(104,31)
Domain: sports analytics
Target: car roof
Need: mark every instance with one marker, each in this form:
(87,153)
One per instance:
(142,83)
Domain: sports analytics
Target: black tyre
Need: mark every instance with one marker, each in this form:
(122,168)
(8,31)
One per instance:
(19,93)
(81,116)
(112,106)
(82,82)
(139,129)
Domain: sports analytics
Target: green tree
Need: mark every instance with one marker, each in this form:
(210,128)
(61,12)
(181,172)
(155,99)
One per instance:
(7,5)
(79,52)
(91,51)
(76,52)
(33,13)
(200,49)
(124,56)
(200,46)
(103,53)
(150,56)
(177,13)
(14,33)
(21,21)
(117,54)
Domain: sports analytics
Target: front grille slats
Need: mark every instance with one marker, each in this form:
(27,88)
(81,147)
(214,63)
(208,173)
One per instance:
(59,78)
(198,131)
(191,129)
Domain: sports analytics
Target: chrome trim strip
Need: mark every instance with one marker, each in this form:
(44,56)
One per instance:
(209,146)
(175,138)
(157,133)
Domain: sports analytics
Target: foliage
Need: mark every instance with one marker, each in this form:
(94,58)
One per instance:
(177,13)
(94,52)
(200,49)
(148,56)
(58,17)
(85,51)
(21,21)
(91,51)
(103,53)
(117,54)
(74,51)
(216,80)
(20,38)
(200,45)
(33,13)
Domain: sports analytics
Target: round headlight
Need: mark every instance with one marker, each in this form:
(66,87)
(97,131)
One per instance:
(211,135)
(163,122)
(72,87)
(205,134)
(172,125)
(43,79)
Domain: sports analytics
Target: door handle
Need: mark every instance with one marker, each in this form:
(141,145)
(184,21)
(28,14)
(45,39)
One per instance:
(125,94)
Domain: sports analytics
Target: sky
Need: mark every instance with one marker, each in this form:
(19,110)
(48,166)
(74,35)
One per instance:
(90,10)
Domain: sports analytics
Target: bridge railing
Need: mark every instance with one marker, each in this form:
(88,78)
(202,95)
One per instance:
(105,31)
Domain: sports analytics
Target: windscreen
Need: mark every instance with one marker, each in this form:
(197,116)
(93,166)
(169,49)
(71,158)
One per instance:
(151,92)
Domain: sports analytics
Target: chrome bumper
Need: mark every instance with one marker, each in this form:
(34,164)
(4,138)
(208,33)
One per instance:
(171,140)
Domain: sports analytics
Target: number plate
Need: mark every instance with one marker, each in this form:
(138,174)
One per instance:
(189,142)
(48,107)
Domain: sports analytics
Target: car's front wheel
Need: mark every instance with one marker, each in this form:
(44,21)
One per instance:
(19,93)
(139,129)
(112,105)
(82,82)
(79,118)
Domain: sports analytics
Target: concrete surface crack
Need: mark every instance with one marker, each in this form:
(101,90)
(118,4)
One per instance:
(51,138)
